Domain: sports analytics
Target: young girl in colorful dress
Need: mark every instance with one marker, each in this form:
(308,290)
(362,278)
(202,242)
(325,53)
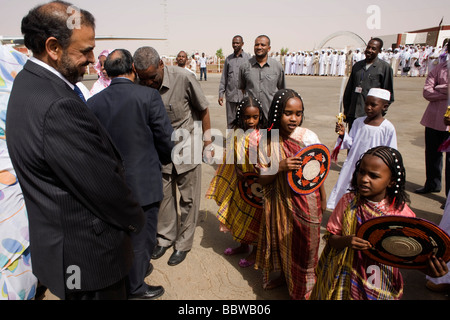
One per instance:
(236,215)
(290,231)
(378,189)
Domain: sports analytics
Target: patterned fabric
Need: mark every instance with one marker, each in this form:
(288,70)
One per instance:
(234,214)
(290,228)
(17,281)
(349,274)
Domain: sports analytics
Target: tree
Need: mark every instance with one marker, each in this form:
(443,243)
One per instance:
(219,53)
(283,51)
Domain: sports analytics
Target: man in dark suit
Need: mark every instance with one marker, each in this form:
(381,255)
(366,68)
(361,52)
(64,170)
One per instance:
(138,124)
(81,211)
(366,74)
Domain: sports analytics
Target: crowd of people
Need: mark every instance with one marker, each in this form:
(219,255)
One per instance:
(105,190)
(406,60)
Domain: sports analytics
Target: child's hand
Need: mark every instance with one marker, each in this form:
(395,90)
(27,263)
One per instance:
(340,128)
(436,267)
(357,243)
(351,241)
(289,164)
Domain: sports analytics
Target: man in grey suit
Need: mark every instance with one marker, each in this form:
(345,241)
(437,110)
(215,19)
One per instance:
(229,82)
(81,211)
(138,124)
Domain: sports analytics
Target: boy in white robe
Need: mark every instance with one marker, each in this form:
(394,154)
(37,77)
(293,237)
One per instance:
(361,138)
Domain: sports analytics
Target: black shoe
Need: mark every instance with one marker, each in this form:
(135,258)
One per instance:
(424,190)
(149,270)
(177,257)
(151,293)
(158,252)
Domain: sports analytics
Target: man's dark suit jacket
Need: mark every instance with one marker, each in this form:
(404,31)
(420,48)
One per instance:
(81,211)
(137,121)
(379,75)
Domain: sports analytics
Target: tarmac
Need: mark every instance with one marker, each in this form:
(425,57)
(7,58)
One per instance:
(207,274)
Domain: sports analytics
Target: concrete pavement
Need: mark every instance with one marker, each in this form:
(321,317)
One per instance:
(207,274)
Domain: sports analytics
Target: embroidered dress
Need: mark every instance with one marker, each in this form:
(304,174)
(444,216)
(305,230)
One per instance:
(290,230)
(349,274)
(235,214)
(17,281)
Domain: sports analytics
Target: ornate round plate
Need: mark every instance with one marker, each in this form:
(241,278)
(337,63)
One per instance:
(404,242)
(313,171)
(250,190)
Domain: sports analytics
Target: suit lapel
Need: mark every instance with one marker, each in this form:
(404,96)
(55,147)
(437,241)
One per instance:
(44,73)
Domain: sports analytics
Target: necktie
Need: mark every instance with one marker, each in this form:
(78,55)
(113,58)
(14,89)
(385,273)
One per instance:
(79,93)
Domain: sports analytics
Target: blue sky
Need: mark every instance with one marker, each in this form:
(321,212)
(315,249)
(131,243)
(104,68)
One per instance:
(207,25)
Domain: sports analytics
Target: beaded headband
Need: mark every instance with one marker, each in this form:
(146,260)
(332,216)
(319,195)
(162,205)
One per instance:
(276,106)
(399,173)
(241,105)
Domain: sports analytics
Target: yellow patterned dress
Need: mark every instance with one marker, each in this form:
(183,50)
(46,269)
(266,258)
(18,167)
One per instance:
(236,214)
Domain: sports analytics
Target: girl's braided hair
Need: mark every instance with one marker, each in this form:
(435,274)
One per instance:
(249,101)
(393,159)
(278,104)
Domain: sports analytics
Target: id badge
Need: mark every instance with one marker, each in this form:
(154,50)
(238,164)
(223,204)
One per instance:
(358,89)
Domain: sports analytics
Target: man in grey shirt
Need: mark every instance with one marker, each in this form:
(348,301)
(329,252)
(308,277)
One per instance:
(185,104)
(262,76)
(229,83)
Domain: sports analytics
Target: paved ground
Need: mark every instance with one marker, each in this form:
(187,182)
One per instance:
(208,274)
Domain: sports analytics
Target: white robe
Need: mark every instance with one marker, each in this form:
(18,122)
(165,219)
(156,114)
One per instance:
(361,138)
(327,64)
(293,64)
(287,64)
(405,60)
(322,66)
(341,65)
(333,64)
(414,70)
(423,60)
(300,60)
(309,61)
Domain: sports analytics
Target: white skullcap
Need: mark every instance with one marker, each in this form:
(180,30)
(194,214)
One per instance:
(380,93)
